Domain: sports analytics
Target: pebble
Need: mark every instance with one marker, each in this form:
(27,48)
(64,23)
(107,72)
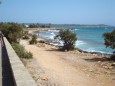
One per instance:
(90,70)
(99,62)
(112,73)
(113,64)
(88,75)
(110,67)
(106,67)
(45,78)
(113,78)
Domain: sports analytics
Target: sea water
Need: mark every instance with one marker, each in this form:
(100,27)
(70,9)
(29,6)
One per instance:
(88,39)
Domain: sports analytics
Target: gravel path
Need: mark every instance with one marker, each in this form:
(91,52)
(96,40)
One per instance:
(65,69)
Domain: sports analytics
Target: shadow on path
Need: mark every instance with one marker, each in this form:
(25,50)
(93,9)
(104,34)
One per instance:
(98,59)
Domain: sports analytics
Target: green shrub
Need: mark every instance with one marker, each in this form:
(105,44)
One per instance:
(21,52)
(28,55)
(68,38)
(33,40)
(109,38)
(41,41)
(12,31)
(25,37)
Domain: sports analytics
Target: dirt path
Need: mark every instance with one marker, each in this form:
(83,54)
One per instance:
(68,69)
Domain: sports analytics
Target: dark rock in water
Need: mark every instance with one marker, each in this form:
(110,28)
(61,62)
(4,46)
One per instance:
(85,51)
(112,57)
(79,50)
(114,52)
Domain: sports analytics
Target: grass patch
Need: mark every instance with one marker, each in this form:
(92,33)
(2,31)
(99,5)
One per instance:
(21,52)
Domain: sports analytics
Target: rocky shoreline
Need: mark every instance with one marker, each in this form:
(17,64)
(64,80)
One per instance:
(50,42)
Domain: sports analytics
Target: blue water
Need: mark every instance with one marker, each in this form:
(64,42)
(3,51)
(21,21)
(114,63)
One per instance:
(89,39)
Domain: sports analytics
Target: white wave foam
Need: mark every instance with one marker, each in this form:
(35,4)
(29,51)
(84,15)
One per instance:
(76,29)
(51,37)
(52,33)
(57,43)
(101,52)
(79,42)
(94,50)
(91,50)
(53,30)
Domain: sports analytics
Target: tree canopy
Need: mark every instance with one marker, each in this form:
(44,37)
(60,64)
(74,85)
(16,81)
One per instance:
(38,25)
(12,31)
(68,38)
(109,38)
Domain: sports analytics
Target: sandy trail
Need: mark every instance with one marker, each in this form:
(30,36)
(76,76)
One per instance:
(60,69)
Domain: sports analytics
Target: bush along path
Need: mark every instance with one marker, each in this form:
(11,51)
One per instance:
(21,52)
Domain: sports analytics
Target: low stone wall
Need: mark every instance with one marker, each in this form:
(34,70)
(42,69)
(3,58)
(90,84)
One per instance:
(20,74)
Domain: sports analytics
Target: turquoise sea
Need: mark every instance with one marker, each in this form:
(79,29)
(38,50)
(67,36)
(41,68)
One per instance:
(89,39)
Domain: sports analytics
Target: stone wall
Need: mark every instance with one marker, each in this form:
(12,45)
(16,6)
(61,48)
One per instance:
(20,74)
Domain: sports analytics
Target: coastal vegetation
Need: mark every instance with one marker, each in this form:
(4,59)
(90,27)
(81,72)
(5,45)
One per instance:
(109,38)
(68,38)
(12,31)
(21,52)
(41,25)
(38,25)
(25,35)
(33,40)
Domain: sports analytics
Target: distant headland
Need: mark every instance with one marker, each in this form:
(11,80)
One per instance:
(34,25)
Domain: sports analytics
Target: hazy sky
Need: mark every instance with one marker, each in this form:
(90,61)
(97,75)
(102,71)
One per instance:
(58,11)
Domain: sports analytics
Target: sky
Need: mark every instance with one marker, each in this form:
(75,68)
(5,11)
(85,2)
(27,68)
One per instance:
(58,11)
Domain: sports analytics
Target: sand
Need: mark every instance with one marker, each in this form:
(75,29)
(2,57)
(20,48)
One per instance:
(50,67)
